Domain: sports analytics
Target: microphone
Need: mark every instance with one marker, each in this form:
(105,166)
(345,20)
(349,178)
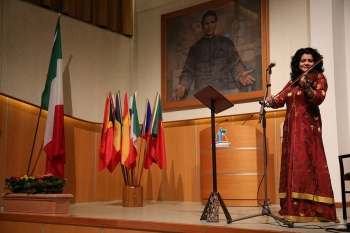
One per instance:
(272,64)
(247,119)
(221,122)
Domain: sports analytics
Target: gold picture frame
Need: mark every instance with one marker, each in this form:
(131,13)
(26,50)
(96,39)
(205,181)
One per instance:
(244,22)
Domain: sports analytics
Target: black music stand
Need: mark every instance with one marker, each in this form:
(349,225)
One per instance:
(217,103)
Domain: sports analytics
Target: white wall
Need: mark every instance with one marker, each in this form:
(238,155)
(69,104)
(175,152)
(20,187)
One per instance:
(103,61)
(99,59)
(328,35)
(347,42)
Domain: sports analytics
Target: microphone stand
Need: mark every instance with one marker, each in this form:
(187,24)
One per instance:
(265,208)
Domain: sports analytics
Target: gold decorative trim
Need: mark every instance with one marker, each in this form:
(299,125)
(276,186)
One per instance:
(326,200)
(282,195)
(306,219)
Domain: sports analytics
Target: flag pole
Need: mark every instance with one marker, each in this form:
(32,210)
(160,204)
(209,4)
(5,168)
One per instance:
(134,172)
(133,167)
(144,157)
(36,132)
(143,125)
(124,169)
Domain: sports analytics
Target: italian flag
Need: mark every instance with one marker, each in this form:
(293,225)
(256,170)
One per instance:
(52,101)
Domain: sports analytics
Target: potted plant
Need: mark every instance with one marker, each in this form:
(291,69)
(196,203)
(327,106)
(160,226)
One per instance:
(45,184)
(41,194)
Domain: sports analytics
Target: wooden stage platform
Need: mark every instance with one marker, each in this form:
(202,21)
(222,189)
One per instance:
(154,216)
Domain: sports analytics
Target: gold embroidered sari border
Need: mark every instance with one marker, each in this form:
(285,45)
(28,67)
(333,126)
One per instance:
(305,196)
(300,219)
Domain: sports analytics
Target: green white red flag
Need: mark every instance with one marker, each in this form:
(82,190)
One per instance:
(156,144)
(52,101)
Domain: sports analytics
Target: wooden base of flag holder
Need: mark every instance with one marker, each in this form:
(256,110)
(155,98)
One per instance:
(132,196)
(216,102)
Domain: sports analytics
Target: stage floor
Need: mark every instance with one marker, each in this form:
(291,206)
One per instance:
(189,213)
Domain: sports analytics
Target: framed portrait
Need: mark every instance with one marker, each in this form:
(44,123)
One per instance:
(223,43)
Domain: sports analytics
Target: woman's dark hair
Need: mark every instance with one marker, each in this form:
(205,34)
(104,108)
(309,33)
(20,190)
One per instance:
(207,14)
(294,64)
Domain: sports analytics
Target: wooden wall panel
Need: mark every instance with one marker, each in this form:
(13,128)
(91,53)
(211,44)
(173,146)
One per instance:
(151,181)
(279,119)
(106,230)
(53,228)
(80,159)
(21,125)
(270,134)
(253,120)
(20,227)
(109,186)
(202,124)
(233,161)
(273,140)
(233,187)
(179,182)
(180,175)
(2,136)
(27,227)
(238,162)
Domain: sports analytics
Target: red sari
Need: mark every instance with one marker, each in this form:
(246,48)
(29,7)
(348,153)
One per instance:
(305,189)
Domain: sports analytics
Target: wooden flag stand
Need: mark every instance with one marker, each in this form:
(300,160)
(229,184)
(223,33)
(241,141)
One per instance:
(217,103)
(132,196)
